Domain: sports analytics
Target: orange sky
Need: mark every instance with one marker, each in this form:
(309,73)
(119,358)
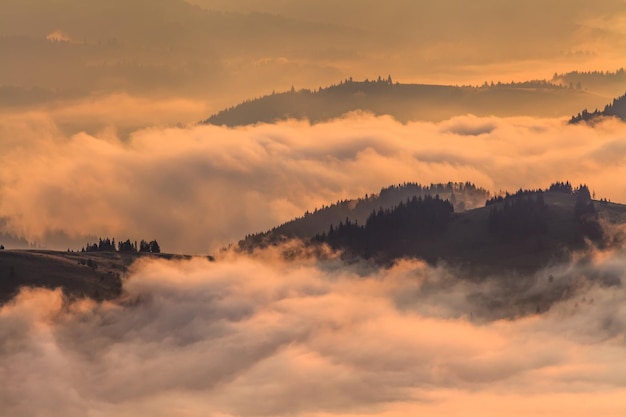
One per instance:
(222,54)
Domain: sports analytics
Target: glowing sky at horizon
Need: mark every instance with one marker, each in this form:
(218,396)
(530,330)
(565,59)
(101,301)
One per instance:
(170,47)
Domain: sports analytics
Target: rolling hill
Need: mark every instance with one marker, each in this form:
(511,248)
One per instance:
(464,196)
(410,102)
(526,236)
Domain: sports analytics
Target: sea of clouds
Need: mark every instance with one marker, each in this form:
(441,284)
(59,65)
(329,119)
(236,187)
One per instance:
(255,335)
(259,336)
(66,173)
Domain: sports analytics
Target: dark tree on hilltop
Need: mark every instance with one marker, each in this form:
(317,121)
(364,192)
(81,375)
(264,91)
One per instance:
(519,193)
(126,246)
(585,213)
(149,247)
(154,247)
(108,245)
(103,245)
(562,187)
(584,205)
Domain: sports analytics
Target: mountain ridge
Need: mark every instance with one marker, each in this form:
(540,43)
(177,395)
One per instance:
(535,228)
(408,102)
(462,195)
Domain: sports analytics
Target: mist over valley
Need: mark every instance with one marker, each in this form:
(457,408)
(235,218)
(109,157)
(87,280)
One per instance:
(271,208)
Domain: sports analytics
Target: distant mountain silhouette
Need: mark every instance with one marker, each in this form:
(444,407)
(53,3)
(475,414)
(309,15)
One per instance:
(606,83)
(408,102)
(615,109)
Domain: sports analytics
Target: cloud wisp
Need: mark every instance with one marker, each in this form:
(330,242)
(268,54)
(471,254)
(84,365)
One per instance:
(257,337)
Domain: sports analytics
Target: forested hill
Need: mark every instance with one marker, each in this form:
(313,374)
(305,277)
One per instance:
(463,196)
(524,231)
(615,109)
(411,102)
(606,83)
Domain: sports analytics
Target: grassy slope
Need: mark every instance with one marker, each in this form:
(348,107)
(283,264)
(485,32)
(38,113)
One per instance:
(67,270)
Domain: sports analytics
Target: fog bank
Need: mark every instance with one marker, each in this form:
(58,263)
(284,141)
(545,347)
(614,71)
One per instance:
(197,188)
(257,337)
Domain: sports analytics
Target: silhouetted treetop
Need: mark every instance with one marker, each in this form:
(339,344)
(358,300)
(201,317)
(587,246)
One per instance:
(615,109)
(415,220)
(562,187)
(108,245)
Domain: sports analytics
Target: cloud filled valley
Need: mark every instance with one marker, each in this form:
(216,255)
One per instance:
(256,336)
(198,188)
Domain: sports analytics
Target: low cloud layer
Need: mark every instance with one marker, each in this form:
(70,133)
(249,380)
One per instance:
(257,337)
(198,188)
